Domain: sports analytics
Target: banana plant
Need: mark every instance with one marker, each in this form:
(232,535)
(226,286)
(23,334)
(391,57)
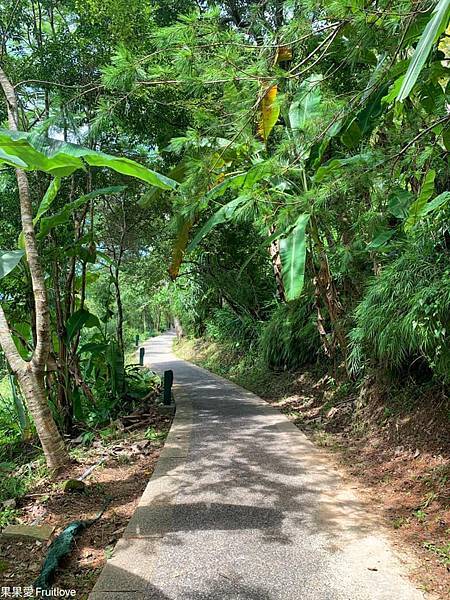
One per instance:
(28,152)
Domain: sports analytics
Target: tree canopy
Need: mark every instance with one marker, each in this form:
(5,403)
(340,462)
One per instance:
(272,174)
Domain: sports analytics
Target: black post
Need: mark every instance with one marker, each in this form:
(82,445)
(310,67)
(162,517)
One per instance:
(141,356)
(168,381)
(137,340)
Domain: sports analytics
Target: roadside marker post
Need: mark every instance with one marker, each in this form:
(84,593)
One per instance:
(168,381)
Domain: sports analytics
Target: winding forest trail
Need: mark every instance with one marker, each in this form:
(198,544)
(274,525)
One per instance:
(242,506)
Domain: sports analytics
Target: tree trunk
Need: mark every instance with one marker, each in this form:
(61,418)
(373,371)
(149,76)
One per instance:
(30,374)
(119,324)
(178,327)
(274,251)
(32,386)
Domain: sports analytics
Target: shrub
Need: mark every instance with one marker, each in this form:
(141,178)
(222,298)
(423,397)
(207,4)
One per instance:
(404,316)
(224,325)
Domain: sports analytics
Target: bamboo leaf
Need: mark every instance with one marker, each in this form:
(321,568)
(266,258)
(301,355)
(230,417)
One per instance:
(435,26)
(293,257)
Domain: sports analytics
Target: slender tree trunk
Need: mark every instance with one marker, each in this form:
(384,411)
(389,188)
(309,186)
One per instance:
(32,386)
(274,251)
(62,375)
(31,374)
(178,327)
(119,325)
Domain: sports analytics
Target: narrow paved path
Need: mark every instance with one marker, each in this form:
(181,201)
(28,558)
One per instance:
(243,506)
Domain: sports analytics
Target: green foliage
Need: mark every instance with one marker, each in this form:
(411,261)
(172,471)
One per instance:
(153,435)
(403,317)
(66,214)
(441,551)
(79,319)
(61,159)
(431,33)
(224,325)
(290,339)
(9,261)
(293,257)
(185,91)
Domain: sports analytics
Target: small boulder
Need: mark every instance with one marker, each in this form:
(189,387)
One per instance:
(11,503)
(34,532)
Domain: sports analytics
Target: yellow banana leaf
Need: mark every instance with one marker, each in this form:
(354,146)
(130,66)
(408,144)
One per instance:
(283,54)
(179,248)
(269,112)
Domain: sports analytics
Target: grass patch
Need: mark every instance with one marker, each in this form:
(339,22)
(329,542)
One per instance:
(443,552)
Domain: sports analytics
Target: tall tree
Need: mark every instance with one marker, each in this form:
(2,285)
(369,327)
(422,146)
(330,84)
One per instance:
(30,374)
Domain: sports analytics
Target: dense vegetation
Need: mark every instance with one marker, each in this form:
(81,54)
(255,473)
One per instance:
(276,179)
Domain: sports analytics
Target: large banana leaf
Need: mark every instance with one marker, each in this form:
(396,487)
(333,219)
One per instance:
(293,257)
(431,33)
(39,153)
(269,112)
(179,248)
(9,259)
(48,198)
(14,161)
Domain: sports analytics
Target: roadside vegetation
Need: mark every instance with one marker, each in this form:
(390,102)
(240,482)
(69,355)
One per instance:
(271,179)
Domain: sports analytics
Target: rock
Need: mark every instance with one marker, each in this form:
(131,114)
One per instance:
(73,485)
(11,503)
(34,532)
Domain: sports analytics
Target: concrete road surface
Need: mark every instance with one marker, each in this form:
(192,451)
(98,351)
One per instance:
(242,506)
